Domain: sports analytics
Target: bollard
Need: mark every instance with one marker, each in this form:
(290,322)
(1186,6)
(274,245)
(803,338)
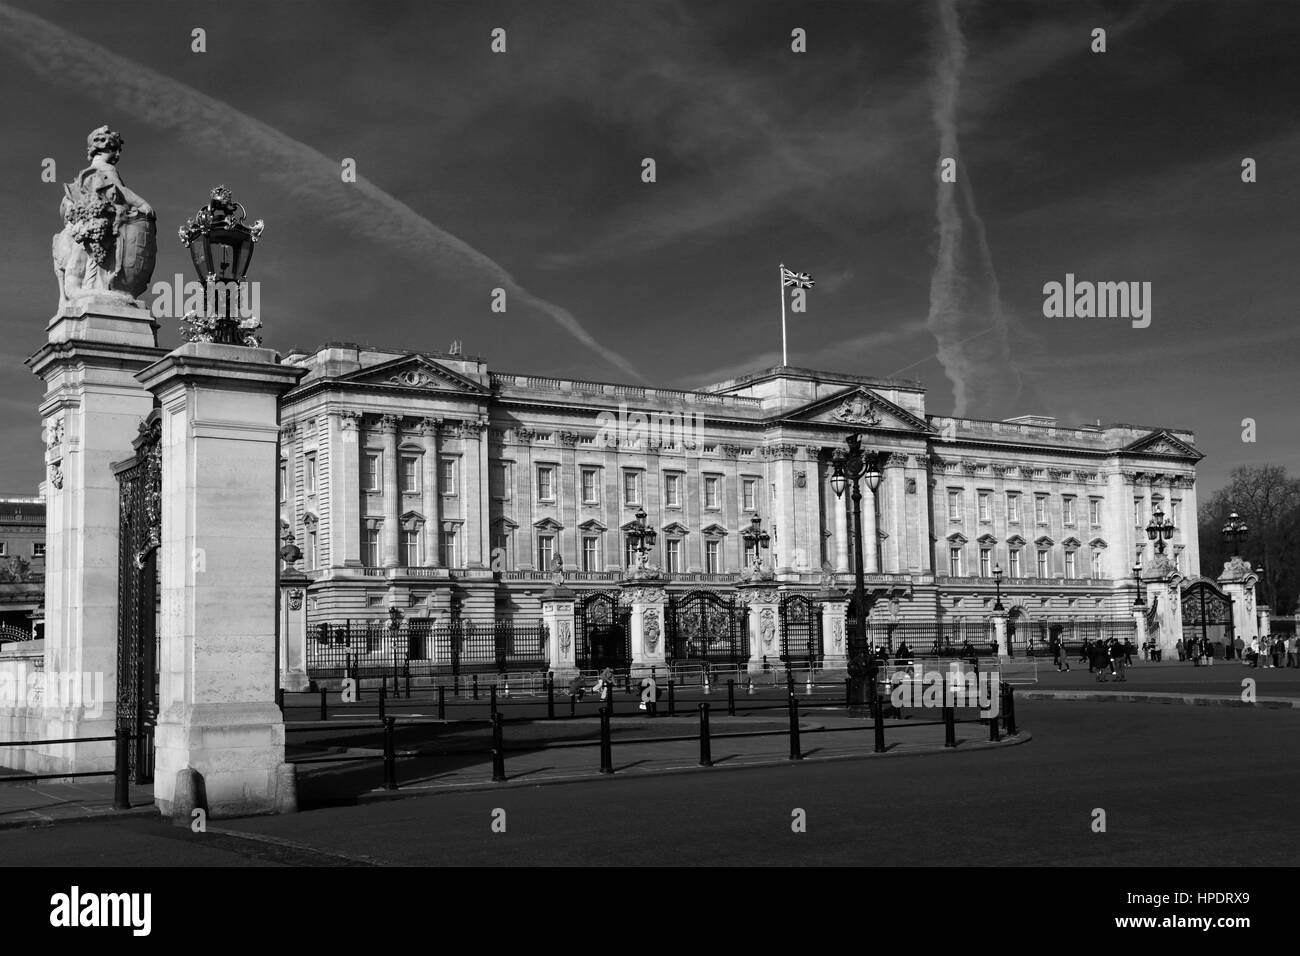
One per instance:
(878,712)
(1011,711)
(356,677)
(493,697)
(627,682)
(731,698)
(606,757)
(789,679)
(324,704)
(383,698)
(573,705)
(766,666)
(993,730)
(408,683)
(796,752)
(506,689)
(390,755)
(498,751)
(397,693)
(751,686)
(848,692)
(121,761)
(455,684)
(442,702)
(476,687)
(706,746)
(808,689)
(949,727)
(550,699)
(609,697)
(672,701)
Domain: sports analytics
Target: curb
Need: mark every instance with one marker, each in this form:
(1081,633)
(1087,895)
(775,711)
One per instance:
(1199,700)
(42,822)
(379,796)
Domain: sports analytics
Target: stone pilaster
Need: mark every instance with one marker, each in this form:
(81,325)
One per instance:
(1162,584)
(432,493)
(217,674)
(345,489)
(561,644)
(1000,634)
(648,623)
(91,412)
(763,601)
(293,630)
(834,610)
(1239,581)
(389,426)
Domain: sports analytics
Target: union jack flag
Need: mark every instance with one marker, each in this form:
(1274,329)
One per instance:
(800,280)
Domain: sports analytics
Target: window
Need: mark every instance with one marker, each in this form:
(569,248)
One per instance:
(4,549)
(749,494)
(410,545)
(1173,512)
(954,505)
(311,557)
(546,482)
(503,557)
(502,478)
(711,557)
(1040,509)
(545,551)
(371,475)
(370,548)
(284,480)
(310,485)
(629,553)
(590,553)
(983,504)
(410,474)
(1042,562)
(447,548)
(1013,507)
(447,476)
(1094,512)
(1137,512)
(1067,510)
(672,490)
(954,562)
(38,549)
(1013,569)
(712,492)
(673,555)
(751,551)
(1070,568)
(1096,563)
(631,487)
(986,557)
(590,486)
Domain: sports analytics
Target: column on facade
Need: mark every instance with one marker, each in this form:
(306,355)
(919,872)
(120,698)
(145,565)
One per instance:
(568,489)
(344,476)
(783,509)
(432,494)
(1191,531)
(1117,530)
(389,426)
(289,510)
(920,503)
(891,489)
(840,510)
(474,494)
(809,530)
(871,527)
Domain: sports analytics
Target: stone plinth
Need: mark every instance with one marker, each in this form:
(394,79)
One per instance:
(293,631)
(1000,634)
(91,413)
(764,603)
(647,623)
(1239,580)
(1163,583)
(835,608)
(561,647)
(219,569)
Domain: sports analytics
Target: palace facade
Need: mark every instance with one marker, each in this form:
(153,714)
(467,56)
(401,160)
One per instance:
(427,482)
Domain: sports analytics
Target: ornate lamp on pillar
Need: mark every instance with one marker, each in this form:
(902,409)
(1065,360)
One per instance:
(756,542)
(852,465)
(222,248)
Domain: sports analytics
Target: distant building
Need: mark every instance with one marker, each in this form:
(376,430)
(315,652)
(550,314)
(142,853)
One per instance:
(22,562)
(427,482)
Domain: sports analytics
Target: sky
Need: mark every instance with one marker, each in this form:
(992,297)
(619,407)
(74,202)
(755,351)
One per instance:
(524,170)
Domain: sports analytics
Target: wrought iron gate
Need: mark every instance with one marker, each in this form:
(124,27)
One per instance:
(139,535)
(604,631)
(1207,614)
(801,629)
(706,626)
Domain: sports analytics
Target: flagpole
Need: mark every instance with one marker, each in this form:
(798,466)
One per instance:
(781,276)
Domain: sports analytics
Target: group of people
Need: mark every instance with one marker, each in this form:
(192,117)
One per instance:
(1110,656)
(1266,651)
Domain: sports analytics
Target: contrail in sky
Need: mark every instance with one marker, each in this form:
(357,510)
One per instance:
(965,299)
(204,123)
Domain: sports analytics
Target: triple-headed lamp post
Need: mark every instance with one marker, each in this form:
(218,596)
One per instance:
(1160,530)
(1234,530)
(641,538)
(852,464)
(1140,599)
(756,540)
(997,583)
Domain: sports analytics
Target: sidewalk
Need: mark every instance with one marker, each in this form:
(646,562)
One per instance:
(342,777)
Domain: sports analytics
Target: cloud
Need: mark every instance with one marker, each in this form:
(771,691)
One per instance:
(306,175)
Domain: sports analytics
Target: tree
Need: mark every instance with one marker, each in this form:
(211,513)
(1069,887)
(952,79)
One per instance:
(1268,500)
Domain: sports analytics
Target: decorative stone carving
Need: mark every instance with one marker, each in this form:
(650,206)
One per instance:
(781,451)
(148,448)
(390,424)
(650,628)
(731,451)
(801,479)
(767,626)
(295,599)
(289,551)
(569,438)
(430,426)
(108,244)
(557,571)
(827,576)
(349,421)
(837,633)
(566,637)
(56,476)
(414,378)
(645,595)
(857,410)
(896,460)
(524,435)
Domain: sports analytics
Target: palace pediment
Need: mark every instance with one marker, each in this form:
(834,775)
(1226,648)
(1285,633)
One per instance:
(858,407)
(1163,443)
(414,372)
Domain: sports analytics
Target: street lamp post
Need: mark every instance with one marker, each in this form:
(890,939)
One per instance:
(641,538)
(854,465)
(1160,529)
(1235,530)
(221,246)
(997,583)
(1140,600)
(756,541)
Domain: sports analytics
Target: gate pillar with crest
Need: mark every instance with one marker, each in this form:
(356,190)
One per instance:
(1162,583)
(763,601)
(648,623)
(1238,581)
(835,610)
(91,413)
(293,629)
(558,618)
(219,564)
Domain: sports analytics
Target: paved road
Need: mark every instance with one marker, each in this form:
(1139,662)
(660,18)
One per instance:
(1179,786)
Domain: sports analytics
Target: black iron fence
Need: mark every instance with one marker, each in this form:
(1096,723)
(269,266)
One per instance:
(935,638)
(375,650)
(1038,636)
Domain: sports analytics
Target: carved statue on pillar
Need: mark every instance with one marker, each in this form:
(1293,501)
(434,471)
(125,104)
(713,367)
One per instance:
(108,244)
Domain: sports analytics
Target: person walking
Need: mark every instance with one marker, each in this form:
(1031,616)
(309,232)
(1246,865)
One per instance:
(1181,648)
(1239,647)
(1292,652)
(1098,661)
(1118,660)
